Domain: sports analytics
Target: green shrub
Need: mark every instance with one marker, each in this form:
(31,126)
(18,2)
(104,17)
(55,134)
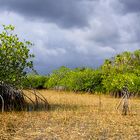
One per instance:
(35,81)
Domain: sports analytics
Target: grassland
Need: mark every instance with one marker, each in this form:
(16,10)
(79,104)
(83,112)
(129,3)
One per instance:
(73,117)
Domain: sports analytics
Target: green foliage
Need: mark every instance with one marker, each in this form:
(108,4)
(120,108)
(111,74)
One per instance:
(114,74)
(115,83)
(15,57)
(75,80)
(85,80)
(35,81)
(122,70)
(55,79)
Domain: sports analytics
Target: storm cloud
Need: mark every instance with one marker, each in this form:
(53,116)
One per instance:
(74,33)
(66,13)
(131,5)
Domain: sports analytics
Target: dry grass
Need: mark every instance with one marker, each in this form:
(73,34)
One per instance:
(73,116)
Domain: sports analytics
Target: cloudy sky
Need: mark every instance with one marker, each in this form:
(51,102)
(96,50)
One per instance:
(74,32)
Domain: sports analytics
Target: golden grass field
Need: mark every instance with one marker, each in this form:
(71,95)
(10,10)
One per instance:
(73,117)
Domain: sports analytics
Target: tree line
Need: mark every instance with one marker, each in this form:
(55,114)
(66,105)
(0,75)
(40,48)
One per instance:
(122,70)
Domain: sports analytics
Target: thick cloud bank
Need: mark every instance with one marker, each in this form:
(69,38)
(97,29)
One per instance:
(74,32)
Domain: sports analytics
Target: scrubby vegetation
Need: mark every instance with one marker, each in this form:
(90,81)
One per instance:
(70,115)
(15,62)
(123,70)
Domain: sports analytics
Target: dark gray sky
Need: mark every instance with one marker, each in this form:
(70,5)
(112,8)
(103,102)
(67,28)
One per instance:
(74,32)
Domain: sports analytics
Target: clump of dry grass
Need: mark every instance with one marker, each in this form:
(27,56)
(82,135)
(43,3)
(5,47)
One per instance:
(73,116)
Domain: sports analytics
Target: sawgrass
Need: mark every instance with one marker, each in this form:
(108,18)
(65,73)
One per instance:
(73,116)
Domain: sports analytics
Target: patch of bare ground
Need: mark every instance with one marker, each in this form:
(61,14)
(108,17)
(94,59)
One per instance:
(73,116)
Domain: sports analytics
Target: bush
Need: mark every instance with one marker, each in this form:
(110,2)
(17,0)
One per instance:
(36,81)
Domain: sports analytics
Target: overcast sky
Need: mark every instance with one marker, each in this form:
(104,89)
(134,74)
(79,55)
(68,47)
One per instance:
(74,33)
